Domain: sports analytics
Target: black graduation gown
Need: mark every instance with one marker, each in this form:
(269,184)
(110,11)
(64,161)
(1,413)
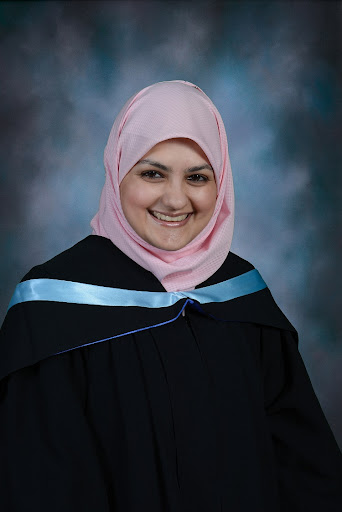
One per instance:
(213,411)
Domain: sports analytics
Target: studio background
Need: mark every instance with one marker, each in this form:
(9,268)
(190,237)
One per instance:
(273,71)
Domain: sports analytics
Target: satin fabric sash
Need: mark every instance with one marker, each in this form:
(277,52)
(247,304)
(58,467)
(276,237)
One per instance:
(56,290)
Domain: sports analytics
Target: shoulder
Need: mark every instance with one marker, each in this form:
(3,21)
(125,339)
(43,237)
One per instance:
(94,260)
(235,263)
(253,306)
(78,259)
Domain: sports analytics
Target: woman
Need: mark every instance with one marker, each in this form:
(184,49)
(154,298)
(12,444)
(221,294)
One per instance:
(148,367)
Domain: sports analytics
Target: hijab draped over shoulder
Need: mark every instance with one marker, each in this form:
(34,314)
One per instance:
(167,110)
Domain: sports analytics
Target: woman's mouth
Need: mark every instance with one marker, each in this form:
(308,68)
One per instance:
(161,216)
(178,220)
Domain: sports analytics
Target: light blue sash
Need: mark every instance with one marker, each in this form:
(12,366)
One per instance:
(80,293)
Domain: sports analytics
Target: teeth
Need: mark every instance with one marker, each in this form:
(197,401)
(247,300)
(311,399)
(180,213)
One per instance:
(160,216)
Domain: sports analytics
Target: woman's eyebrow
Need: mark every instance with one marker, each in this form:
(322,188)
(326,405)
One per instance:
(163,167)
(200,168)
(155,164)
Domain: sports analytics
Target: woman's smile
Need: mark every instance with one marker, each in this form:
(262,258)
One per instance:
(169,196)
(173,220)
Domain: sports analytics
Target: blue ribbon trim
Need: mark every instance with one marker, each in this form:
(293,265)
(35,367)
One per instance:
(56,290)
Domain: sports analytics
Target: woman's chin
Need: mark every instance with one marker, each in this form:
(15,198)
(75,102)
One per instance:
(170,242)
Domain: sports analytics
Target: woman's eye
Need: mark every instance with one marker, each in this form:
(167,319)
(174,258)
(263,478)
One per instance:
(151,174)
(198,178)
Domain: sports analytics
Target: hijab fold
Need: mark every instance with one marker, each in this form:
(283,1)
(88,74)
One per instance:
(167,110)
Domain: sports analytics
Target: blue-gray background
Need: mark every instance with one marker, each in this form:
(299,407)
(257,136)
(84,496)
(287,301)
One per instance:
(272,69)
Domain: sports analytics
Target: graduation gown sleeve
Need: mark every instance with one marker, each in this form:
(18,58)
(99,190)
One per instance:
(308,461)
(48,457)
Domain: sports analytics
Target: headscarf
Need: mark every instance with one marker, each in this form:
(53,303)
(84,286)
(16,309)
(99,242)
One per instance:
(162,111)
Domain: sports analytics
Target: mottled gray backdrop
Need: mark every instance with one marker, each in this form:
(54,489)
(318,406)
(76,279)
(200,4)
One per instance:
(273,69)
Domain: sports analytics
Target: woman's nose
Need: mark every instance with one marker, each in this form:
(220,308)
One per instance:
(174,196)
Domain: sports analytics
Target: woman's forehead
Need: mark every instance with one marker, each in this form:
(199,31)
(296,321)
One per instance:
(174,145)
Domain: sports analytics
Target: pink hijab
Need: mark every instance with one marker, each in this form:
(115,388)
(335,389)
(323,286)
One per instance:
(162,111)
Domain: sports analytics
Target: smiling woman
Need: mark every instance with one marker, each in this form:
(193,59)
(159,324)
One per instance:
(169,196)
(175,125)
(148,367)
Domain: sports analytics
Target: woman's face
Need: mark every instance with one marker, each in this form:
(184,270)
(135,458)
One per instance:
(169,196)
